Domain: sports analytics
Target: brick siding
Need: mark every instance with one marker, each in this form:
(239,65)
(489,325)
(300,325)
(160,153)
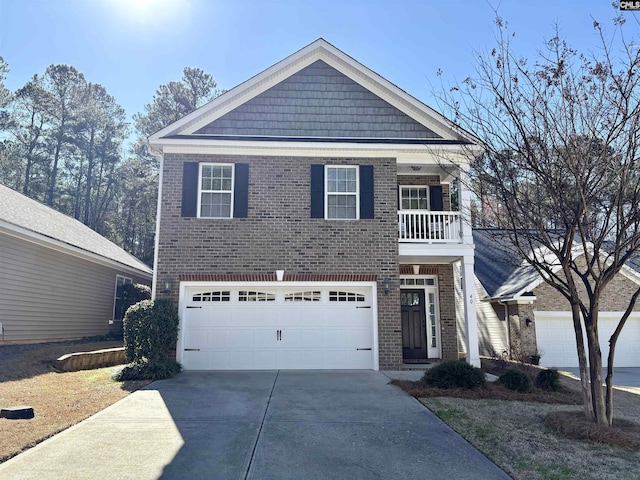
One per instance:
(428,180)
(280,235)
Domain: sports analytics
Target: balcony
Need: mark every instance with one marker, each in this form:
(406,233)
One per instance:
(423,226)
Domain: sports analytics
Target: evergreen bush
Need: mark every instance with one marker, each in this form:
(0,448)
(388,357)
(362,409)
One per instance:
(548,379)
(515,379)
(456,374)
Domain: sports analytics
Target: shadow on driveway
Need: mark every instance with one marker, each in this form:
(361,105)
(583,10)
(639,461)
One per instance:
(255,425)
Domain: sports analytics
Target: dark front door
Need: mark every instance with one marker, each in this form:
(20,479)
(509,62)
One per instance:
(414,329)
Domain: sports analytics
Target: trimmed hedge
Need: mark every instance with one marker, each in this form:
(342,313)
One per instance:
(548,379)
(515,379)
(150,330)
(455,374)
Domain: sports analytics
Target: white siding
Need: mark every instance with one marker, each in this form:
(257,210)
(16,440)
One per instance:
(46,294)
(492,332)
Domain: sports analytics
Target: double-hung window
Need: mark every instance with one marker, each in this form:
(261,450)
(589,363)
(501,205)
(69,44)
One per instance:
(414,198)
(342,192)
(215,196)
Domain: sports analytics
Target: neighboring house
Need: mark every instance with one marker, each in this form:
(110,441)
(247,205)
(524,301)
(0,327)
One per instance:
(58,278)
(305,222)
(539,318)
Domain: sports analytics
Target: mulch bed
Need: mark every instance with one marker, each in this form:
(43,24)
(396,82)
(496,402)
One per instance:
(571,424)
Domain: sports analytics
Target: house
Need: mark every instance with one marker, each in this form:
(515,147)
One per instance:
(58,278)
(305,222)
(539,318)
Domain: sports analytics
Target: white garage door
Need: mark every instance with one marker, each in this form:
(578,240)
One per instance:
(265,328)
(556,339)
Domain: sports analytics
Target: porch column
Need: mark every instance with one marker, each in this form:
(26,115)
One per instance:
(470,319)
(465,205)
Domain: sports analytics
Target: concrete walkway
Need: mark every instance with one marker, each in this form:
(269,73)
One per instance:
(257,425)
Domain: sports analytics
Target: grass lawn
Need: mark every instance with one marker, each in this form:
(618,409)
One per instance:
(60,400)
(509,428)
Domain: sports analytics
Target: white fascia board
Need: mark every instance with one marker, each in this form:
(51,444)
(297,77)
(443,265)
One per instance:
(405,154)
(42,240)
(318,50)
(154,283)
(630,274)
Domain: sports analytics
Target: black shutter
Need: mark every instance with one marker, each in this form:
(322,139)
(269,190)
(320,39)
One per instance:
(317,191)
(366,191)
(190,171)
(435,195)
(241,191)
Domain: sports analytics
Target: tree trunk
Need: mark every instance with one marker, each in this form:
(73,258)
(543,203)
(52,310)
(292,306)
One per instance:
(612,350)
(54,171)
(87,190)
(582,361)
(595,368)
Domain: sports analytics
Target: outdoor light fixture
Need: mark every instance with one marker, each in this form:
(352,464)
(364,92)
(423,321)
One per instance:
(528,322)
(386,282)
(167,285)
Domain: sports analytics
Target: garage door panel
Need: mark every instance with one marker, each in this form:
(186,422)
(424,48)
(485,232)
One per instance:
(311,338)
(197,360)
(556,339)
(296,333)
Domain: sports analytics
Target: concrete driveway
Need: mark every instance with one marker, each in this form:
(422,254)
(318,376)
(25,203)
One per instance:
(259,425)
(624,378)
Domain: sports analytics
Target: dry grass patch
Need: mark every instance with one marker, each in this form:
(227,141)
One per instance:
(513,435)
(539,435)
(60,400)
(623,433)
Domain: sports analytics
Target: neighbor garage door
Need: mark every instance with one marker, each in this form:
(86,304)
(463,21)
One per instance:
(258,328)
(556,339)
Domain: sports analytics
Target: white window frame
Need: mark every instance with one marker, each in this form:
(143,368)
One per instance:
(432,352)
(200,191)
(327,193)
(426,187)
(125,281)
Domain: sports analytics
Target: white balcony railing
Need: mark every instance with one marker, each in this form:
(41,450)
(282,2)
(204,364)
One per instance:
(422,226)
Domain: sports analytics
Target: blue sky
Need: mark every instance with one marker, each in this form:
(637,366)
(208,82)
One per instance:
(133,46)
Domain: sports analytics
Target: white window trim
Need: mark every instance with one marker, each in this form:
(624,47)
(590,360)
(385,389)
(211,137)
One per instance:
(429,289)
(233,180)
(400,187)
(327,193)
(115,295)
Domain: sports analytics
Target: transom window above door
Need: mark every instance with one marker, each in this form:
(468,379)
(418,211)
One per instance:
(414,198)
(342,192)
(216,190)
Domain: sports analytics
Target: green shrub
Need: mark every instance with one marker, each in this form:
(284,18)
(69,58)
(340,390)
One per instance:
(457,374)
(150,331)
(515,379)
(147,371)
(548,379)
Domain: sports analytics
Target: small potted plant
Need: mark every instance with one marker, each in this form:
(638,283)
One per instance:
(534,358)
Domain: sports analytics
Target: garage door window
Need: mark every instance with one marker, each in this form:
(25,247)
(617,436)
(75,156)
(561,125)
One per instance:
(223,296)
(345,297)
(247,296)
(303,297)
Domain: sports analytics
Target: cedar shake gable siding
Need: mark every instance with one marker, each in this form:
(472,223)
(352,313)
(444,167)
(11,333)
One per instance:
(318,101)
(279,232)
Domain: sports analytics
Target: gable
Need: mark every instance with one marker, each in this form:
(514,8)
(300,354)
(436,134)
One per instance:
(318,101)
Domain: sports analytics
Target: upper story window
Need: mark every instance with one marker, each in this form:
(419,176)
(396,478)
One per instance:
(215,197)
(342,192)
(414,198)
